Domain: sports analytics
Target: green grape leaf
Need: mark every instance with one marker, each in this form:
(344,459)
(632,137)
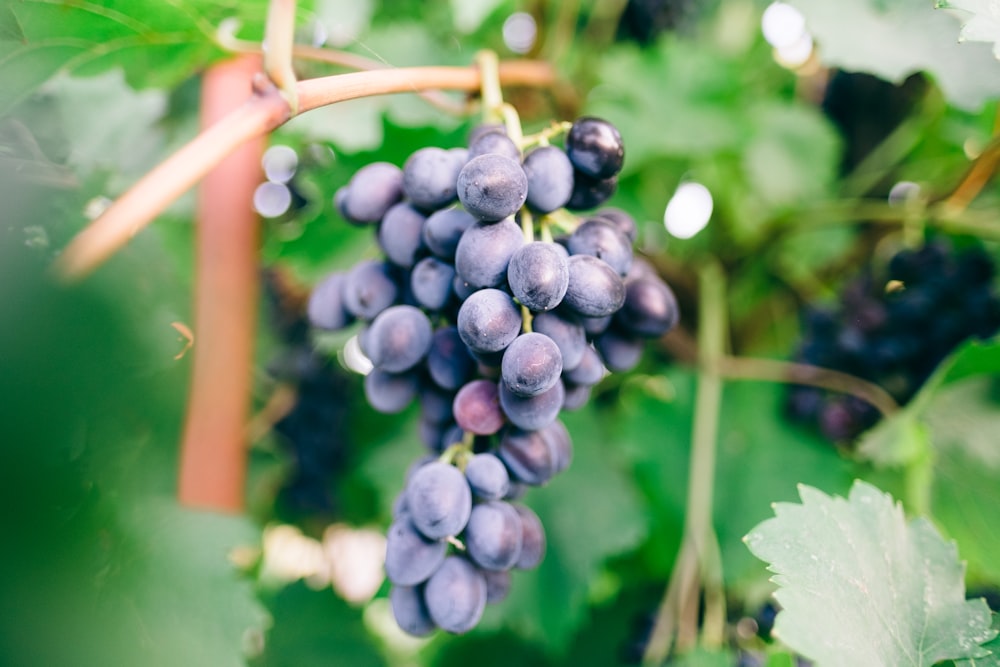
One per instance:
(982,26)
(991,660)
(907,435)
(893,39)
(158,44)
(860,586)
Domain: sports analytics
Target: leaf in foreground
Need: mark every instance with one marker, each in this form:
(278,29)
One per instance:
(860,586)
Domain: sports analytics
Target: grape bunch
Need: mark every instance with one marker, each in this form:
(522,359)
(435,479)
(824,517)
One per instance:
(894,329)
(495,333)
(311,430)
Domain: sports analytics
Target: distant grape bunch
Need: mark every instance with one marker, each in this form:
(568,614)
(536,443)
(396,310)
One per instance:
(496,333)
(894,329)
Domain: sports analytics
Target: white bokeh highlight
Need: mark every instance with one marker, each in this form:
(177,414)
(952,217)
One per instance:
(689,210)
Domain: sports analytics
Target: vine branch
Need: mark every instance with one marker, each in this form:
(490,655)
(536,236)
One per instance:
(773,370)
(263,112)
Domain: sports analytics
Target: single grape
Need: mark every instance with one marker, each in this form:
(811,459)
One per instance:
(410,558)
(492,187)
(595,289)
(603,240)
(538,275)
(562,445)
(431,282)
(398,339)
(493,535)
(532,412)
(326,304)
(620,351)
(487,477)
(531,364)
(567,333)
(400,234)
(595,147)
(390,393)
(477,409)
(410,610)
(484,252)
(439,500)
(576,397)
(589,371)
(369,288)
(456,595)
(431,433)
(532,539)
(448,361)
(620,219)
(372,190)
(482,128)
(590,192)
(443,230)
(488,321)
(435,404)
(497,585)
(528,455)
(550,178)
(650,307)
(429,177)
(494,142)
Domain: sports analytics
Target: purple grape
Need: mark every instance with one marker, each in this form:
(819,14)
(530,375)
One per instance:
(532,412)
(410,558)
(497,585)
(456,595)
(326,304)
(439,500)
(493,535)
(431,283)
(372,190)
(400,234)
(590,192)
(650,308)
(620,219)
(538,275)
(410,610)
(531,364)
(528,455)
(595,289)
(550,178)
(589,371)
(390,393)
(443,230)
(487,477)
(448,361)
(477,408)
(494,142)
(595,147)
(484,251)
(619,351)
(532,539)
(566,332)
(603,240)
(492,187)
(488,321)
(369,289)
(398,339)
(430,176)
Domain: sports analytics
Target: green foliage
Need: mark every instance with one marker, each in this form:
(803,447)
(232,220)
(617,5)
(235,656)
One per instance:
(893,39)
(859,585)
(92,399)
(982,26)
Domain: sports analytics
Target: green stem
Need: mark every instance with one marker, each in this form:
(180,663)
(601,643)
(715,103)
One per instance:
(492,95)
(918,478)
(699,561)
(458,453)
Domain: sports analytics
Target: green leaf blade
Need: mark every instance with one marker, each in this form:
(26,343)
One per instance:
(860,586)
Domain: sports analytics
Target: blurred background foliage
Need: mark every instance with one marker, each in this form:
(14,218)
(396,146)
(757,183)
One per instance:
(101,567)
